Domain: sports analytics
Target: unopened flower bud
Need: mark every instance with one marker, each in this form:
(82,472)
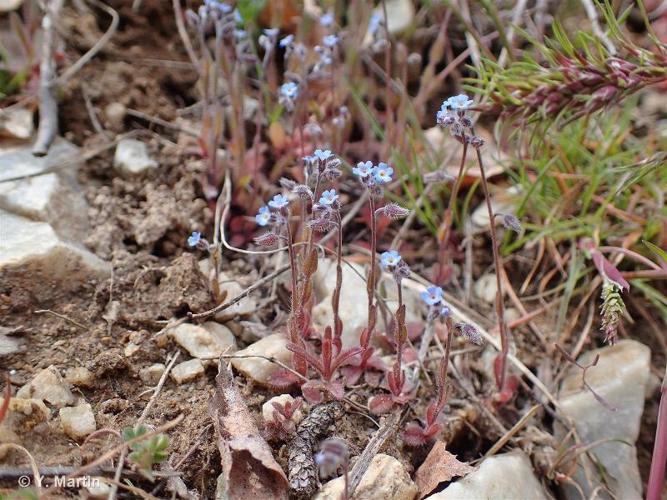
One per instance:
(511,222)
(468,331)
(267,239)
(476,142)
(393,211)
(302,191)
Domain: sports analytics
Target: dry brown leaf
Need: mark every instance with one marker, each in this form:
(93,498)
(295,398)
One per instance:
(439,466)
(248,468)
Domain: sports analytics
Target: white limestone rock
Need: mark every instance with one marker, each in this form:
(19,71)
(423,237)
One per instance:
(620,378)
(187,371)
(486,288)
(52,198)
(78,422)
(48,385)
(259,369)
(35,258)
(353,300)
(501,477)
(206,341)
(16,123)
(386,478)
(79,376)
(151,374)
(18,160)
(131,158)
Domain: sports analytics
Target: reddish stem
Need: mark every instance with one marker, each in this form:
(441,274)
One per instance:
(497,263)
(656,480)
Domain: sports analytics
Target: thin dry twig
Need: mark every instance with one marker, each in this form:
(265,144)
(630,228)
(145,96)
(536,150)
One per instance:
(389,427)
(61,316)
(48,106)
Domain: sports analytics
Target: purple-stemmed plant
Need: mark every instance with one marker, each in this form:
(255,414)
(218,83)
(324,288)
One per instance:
(392,262)
(452,115)
(416,433)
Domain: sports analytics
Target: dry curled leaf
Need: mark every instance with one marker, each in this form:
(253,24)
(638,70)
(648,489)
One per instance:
(248,467)
(439,466)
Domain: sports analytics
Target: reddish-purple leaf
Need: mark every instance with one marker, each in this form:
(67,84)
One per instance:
(312,391)
(380,404)
(414,435)
(607,270)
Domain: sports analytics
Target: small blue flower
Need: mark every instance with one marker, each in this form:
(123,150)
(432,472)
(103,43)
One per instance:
(374,23)
(271,32)
(240,34)
(459,102)
(286,41)
(363,169)
(432,295)
(218,5)
(444,312)
(278,202)
(194,238)
(238,17)
(289,90)
(389,259)
(322,155)
(330,41)
(263,217)
(329,197)
(382,173)
(327,19)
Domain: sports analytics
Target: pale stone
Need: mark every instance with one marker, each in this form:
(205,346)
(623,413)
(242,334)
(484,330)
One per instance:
(24,414)
(268,409)
(51,198)
(97,488)
(386,478)
(244,307)
(502,203)
(353,300)
(16,123)
(35,258)
(8,5)
(79,376)
(259,369)
(620,378)
(207,341)
(486,288)
(151,374)
(130,349)
(115,114)
(501,477)
(18,160)
(78,421)
(187,371)
(48,385)
(132,157)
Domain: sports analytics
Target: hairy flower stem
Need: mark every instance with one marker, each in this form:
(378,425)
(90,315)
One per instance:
(293,272)
(335,300)
(370,287)
(445,228)
(498,265)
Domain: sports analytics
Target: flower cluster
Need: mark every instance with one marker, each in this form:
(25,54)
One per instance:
(433,297)
(453,115)
(322,163)
(392,262)
(275,216)
(195,240)
(288,94)
(373,177)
